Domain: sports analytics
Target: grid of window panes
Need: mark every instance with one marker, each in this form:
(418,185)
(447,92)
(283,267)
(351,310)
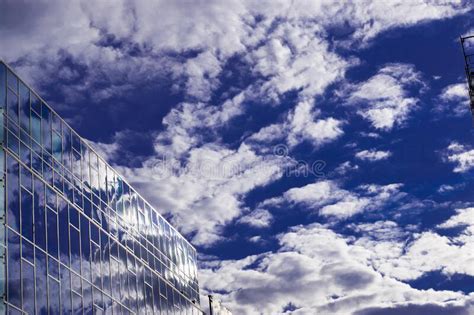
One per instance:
(79,238)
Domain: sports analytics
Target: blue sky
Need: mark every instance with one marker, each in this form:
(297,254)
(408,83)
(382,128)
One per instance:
(319,155)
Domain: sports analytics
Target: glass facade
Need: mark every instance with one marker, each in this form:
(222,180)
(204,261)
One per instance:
(75,237)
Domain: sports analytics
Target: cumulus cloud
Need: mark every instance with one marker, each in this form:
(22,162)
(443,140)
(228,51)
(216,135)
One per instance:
(453,100)
(373,155)
(318,272)
(258,218)
(386,98)
(461,155)
(328,199)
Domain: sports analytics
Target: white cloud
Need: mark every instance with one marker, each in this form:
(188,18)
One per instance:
(453,100)
(204,190)
(461,155)
(301,124)
(330,200)
(318,272)
(385,98)
(373,155)
(258,218)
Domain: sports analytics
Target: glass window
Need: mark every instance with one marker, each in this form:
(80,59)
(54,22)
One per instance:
(65,291)
(67,147)
(28,286)
(85,246)
(13,143)
(41,282)
(75,249)
(27,251)
(96,268)
(53,290)
(13,194)
(12,105)
(52,233)
(25,155)
(3,82)
(24,107)
(39,214)
(12,80)
(13,273)
(63,231)
(53,267)
(26,214)
(57,146)
(46,127)
(36,127)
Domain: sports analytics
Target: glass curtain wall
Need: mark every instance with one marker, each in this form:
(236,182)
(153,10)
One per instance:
(76,237)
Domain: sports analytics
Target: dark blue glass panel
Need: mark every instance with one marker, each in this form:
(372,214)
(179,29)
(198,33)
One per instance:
(54,293)
(24,107)
(13,195)
(27,251)
(12,105)
(25,156)
(13,143)
(52,233)
(51,198)
(96,268)
(13,311)
(66,305)
(57,146)
(87,297)
(13,273)
(12,80)
(39,214)
(28,279)
(46,127)
(74,216)
(53,267)
(41,283)
(3,85)
(63,231)
(76,304)
(26,214)
(67,147)
(36,127)
(75,249)
(85,246)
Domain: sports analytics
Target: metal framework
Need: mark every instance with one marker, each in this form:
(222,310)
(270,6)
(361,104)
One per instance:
(467,44)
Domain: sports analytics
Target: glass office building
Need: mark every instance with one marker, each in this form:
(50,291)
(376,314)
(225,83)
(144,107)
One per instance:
(76,238)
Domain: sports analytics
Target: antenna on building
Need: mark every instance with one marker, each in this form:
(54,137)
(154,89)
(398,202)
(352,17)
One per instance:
(467,44)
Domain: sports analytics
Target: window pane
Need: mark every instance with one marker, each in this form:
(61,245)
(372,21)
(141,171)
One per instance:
(46,127)
(85,246)
(39,214)
(3,83)
(41,282)
(63,231)
(75,249)
(53,296)
(13,195)
(26,214)
(52,233)
(13,265)
(65,291)
(24,107)
(12,105)
(28,283)
(12,80)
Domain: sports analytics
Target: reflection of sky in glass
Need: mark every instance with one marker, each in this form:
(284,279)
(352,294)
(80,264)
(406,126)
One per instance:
(67,163)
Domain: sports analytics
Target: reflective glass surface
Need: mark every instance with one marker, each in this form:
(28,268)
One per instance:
(80,239)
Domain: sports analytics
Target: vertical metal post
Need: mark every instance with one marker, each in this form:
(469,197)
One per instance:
(3,89)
